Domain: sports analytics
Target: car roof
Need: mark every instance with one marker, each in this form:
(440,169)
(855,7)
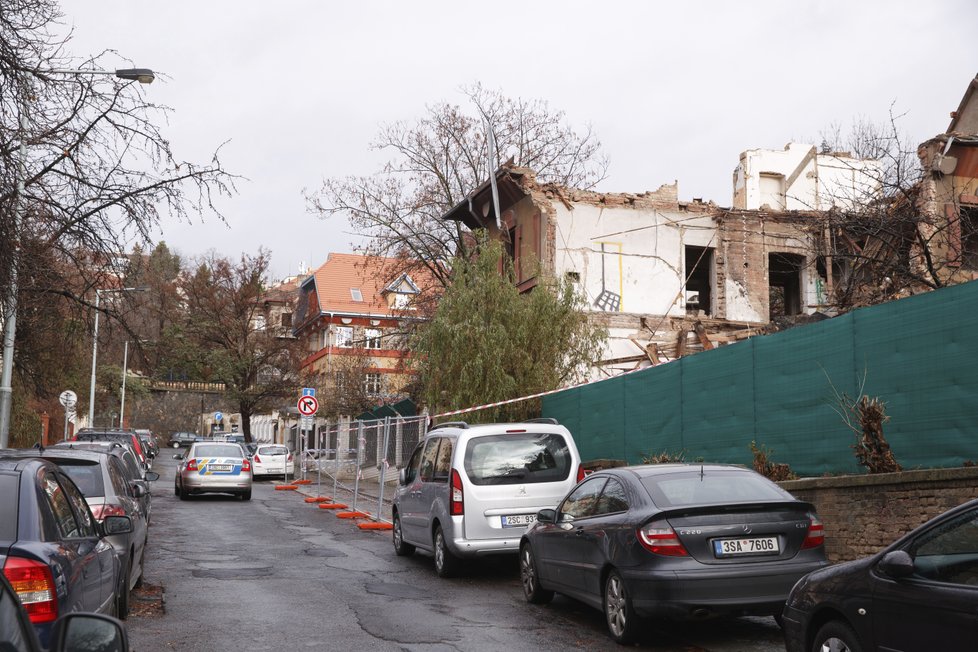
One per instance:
(647,470)
(9,461)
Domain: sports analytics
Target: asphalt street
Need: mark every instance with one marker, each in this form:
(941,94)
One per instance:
(276,573)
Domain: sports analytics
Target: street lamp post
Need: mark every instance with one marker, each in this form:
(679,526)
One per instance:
(91,386)
(143,76)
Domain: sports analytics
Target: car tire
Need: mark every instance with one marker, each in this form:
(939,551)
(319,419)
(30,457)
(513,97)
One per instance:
(142,568)
(122,596)
(401,548)
(530,578)
(446,564)
(618,612)
(183,494)
(175,444)
(837,636)
(176,490)
(246,495)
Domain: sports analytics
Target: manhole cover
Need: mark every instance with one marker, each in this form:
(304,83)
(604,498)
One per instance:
(232,573)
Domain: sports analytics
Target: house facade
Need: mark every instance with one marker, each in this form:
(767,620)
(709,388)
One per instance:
(349,316)
(666,277)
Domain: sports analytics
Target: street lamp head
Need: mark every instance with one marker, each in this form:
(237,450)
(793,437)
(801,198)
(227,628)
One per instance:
(142,75)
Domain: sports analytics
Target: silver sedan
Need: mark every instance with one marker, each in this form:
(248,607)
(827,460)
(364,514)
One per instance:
(213,467)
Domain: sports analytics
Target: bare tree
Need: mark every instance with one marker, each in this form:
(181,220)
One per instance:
(96,170)
(442,156)
(224,336)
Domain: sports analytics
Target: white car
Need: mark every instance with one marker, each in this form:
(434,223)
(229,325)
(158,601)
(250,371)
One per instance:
(272,459)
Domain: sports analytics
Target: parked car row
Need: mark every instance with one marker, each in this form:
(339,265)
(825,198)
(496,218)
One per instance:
(73,532)
(678,541)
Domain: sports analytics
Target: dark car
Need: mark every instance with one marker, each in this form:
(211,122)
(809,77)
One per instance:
(679,541)
(182,439)
(126,436)
(101,477)
(149,442)
(73,632)
(920,593)
(52,550)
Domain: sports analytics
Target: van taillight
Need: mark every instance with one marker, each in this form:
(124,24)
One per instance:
(34,585)
(580,472)
(816,534)
(458,500)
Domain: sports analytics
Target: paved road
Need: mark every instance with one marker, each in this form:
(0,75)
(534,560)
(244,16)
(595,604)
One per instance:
(276,573)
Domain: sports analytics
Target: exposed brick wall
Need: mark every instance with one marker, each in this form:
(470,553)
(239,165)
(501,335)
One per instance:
(865,513)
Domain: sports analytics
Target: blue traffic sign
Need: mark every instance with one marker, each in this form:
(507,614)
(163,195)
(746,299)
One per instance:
(308,391)
(218,416)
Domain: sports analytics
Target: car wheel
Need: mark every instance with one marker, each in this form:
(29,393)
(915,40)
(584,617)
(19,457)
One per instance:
(445,562)
(532,591)
(142,568)
(401,549)
(122,596)
(618,612)
(183,495)
(176,490)
(836,636)
(246,495)
(176,444)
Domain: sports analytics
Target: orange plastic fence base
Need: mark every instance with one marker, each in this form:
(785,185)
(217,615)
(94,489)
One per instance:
(375,526)
(319,499)
(332,506)
(302,482)
(352,515)
(286,487)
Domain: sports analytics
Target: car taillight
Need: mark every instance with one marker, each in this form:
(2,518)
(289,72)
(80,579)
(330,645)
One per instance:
(101,511)
(458,500)
(257,459)
(662,540)
(816,534)
(245,465)
(192,465)
(290,457)
(580,472)
(34,585)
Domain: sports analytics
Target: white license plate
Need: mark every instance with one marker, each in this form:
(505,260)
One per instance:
(220,468)
(519,520)
(751,546)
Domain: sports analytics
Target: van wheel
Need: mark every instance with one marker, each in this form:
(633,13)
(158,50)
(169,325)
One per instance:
(401,549)
(532,591)
(445,562)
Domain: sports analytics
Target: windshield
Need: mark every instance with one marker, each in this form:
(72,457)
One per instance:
(218,450)
(273,450)
(517,458)
(87,475)
(712,487)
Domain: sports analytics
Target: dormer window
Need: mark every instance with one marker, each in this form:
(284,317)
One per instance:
(356,294)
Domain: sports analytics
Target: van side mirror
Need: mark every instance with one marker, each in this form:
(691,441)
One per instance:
(87,631)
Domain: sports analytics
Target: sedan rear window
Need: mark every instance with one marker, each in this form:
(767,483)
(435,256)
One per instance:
(712,487)
(8,507)
(85,474)
(218,450)
(273,450)
(521,458)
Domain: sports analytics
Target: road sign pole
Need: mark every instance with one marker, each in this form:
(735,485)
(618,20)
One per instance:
(66,425)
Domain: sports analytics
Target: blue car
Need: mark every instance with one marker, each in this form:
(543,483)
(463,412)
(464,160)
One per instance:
(52,550)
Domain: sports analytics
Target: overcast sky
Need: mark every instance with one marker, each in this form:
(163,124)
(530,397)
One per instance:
(675,91)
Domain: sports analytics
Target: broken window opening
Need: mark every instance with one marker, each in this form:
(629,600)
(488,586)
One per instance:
(700,280)
(784,283)
(969,237)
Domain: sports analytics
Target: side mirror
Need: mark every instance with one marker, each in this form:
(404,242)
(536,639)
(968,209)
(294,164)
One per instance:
(402,476)
(138,490)
(116,525)
(897,564)
(85,631)
(178,456)
(546,516)
(152,476)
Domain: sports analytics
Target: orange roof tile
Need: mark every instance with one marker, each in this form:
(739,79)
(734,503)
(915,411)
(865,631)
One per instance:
(342,273)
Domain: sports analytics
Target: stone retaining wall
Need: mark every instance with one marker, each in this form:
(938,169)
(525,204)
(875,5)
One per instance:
(865,513)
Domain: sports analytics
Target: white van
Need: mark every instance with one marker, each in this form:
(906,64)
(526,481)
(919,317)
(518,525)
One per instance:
(473,490)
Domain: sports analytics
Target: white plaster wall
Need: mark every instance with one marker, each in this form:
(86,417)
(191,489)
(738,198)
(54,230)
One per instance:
(643,259)
(825,180)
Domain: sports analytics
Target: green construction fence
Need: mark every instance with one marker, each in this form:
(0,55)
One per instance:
(917,354)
